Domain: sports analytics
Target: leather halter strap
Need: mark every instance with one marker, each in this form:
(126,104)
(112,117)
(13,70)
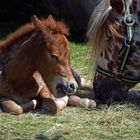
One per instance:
(118,74)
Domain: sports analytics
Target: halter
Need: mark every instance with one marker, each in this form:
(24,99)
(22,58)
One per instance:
(118,74)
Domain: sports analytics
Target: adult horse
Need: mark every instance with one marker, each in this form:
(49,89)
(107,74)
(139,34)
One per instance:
(114,34)
(40,46)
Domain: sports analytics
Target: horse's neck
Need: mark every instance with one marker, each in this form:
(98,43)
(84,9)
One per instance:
(22,59)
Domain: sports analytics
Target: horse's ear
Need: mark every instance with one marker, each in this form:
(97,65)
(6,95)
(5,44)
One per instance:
(118,5)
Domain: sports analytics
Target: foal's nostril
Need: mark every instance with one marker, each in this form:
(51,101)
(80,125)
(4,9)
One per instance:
(72,86)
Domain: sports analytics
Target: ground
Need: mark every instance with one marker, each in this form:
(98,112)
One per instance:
(115,122)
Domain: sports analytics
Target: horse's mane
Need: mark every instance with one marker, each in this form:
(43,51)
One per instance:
(102,22)
(55,26)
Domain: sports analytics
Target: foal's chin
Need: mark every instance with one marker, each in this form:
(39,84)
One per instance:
(58,94)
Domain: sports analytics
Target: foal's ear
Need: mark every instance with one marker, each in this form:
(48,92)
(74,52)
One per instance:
(50,17)
(118,5)
(37,23)
(51,20)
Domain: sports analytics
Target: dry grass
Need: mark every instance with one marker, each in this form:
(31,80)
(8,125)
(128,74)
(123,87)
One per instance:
(109,123)
(115,122)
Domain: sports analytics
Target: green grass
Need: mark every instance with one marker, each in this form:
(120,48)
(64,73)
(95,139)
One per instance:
(117,122)
(80,59)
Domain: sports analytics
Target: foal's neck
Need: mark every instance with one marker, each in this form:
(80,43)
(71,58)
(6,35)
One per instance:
(24,54)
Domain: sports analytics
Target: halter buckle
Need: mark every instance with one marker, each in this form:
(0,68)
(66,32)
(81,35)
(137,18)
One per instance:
(129,20)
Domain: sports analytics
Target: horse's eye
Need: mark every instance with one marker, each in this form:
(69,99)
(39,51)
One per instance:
(54,58)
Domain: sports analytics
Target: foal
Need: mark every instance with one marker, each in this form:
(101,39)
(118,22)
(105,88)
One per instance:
(35,68)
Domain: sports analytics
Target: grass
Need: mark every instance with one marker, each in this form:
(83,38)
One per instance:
(80,57)
(116,122)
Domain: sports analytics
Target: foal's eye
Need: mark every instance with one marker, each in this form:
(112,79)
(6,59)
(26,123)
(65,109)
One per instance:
(54,58)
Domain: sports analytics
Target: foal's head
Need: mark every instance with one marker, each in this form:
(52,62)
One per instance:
(54,62)
(114,27)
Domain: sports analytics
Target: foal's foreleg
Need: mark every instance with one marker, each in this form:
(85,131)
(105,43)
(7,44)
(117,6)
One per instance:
(47,101)
(29,105)
(82,100)
(61,102)
(50,103)
(54,105)
(11,106)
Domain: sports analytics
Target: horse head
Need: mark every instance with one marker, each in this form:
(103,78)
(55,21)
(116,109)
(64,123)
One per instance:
(54,62)
(114,34)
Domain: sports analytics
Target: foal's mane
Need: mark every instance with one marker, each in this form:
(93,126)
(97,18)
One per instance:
(101,23)
(49,24)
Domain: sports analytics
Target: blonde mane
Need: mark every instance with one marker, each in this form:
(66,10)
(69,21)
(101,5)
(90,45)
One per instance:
(101,23)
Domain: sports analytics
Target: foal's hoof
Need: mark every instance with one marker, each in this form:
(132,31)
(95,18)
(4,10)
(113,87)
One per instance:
(86,84)
(74,100)
(85,102)
(81,102)
(49,105)
(92,104)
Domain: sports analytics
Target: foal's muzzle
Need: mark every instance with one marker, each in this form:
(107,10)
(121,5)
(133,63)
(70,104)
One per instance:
(67,88)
